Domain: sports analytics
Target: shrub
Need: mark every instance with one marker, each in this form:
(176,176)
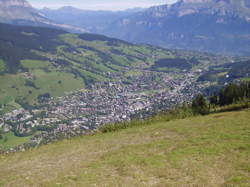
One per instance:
(200,105)
(1,134)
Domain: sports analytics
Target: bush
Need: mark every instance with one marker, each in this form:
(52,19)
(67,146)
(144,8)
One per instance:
(1,134)
(43,97)
(234,93)
(200,105)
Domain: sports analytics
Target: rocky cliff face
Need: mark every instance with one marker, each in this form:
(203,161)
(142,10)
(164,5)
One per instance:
(221,26)
(14,3)
(20,12)
(219,7)
(13,10)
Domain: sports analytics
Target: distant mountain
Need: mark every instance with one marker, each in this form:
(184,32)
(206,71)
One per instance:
(221,26)
(20,12)
(93,21)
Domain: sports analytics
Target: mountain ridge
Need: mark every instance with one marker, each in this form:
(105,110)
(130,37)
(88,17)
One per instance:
(214,26)
(217,26)
(19,3)
(92,20)
(20,12)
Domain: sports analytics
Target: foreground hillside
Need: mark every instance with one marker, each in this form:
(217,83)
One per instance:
(208,150)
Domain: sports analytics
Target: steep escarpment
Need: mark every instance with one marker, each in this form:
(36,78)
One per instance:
(221,26)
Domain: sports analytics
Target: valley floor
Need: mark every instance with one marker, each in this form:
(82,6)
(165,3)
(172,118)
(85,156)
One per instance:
(211,150)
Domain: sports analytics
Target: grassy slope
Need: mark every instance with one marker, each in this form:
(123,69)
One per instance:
(199,151)
(74,62)
(57,62)
(12,140)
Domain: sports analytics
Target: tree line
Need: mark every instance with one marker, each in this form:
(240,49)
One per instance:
(230,94)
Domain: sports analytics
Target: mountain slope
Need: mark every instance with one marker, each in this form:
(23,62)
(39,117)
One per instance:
(227,72)
(31,56)
(93,21)
(220,26)
(18,9)
(199,151)
(20,12)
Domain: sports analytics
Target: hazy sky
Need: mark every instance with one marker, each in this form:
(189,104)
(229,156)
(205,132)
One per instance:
(98,4)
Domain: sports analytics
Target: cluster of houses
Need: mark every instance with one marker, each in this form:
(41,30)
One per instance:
(107,102)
